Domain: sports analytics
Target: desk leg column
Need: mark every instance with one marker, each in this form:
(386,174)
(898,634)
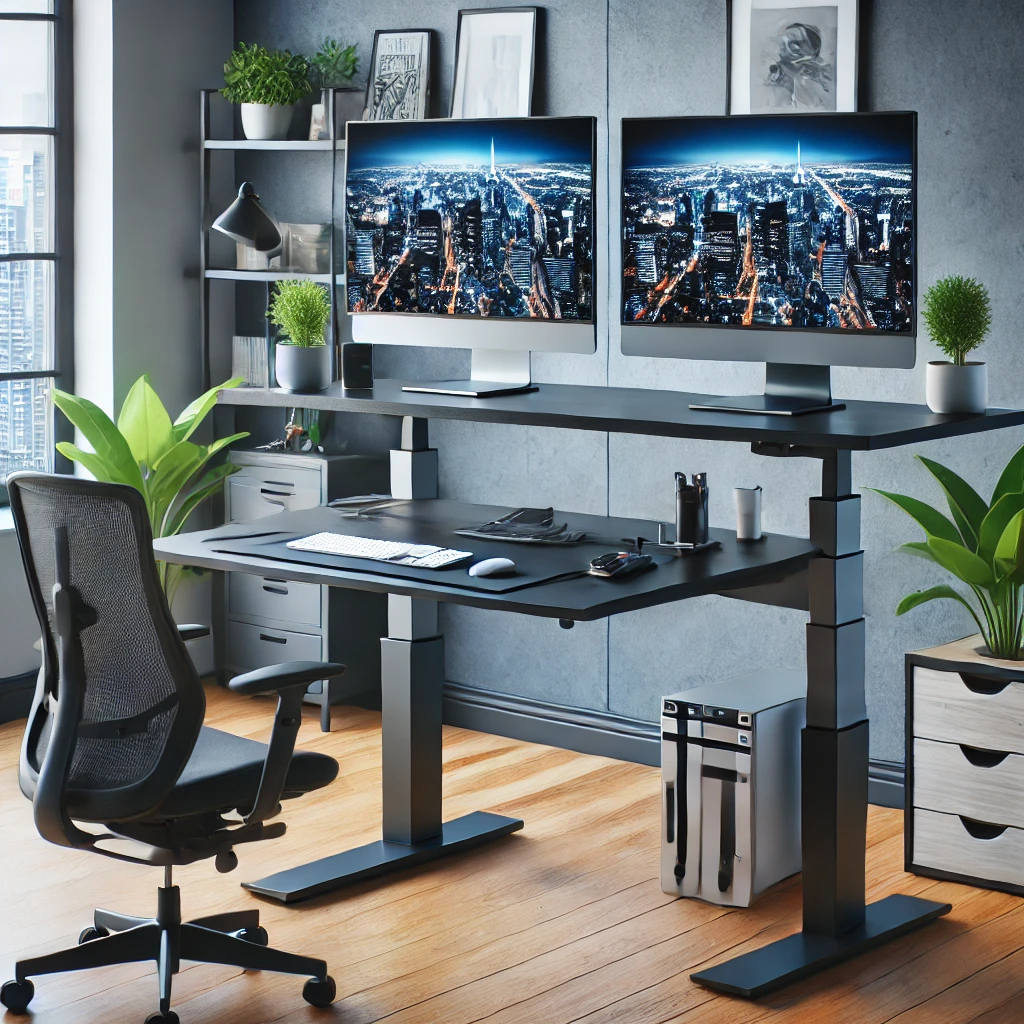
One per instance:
(837,923)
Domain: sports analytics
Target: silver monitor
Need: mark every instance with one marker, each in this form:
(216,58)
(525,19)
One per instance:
(783,238)
(473,234)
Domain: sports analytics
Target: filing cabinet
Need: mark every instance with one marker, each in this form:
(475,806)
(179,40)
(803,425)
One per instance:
(267,620)
(964,817)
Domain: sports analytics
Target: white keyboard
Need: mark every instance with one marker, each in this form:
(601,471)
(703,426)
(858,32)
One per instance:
(422,556)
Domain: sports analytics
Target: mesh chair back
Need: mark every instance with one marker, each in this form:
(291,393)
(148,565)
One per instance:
(142,703)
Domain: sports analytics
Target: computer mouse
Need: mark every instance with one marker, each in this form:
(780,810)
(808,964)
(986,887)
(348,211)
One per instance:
(493,567)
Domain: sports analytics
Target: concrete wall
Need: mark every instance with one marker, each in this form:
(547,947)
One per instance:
(619,58)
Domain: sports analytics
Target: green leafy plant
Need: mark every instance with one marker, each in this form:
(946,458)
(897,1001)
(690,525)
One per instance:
(958,314)
(145,450)
(335,65)
(302,310)
(254,74)
(982,546)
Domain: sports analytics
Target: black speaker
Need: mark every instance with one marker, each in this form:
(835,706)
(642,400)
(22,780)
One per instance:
(356,365)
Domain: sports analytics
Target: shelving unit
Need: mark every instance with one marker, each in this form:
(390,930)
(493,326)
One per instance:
(331,147)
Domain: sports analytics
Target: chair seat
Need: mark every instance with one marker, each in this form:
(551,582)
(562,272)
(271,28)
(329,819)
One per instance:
(224,772)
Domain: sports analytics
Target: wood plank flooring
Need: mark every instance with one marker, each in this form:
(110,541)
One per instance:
(563,922)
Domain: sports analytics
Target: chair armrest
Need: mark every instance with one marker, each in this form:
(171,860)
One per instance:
(277,678)
(290,680)
(193,631)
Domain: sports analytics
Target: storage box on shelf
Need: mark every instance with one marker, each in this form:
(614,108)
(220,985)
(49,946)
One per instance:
(964,817)
(269,620)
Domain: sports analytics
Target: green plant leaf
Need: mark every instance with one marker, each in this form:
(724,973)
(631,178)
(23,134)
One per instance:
(963,564)
(207,484)
(967,507)
(931,520)
(194,414)
(99,468)
(108,444)
(1008,555)
(144,423)
(994,524)
(941,592)
(1011,479)
(917,548)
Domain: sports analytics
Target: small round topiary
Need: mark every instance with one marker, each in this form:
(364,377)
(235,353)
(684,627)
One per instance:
(958,313)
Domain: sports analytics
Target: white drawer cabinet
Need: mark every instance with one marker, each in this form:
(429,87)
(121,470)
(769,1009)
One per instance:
(267,620)
(964,817)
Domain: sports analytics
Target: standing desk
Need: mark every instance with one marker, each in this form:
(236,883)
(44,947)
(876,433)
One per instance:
(823,575)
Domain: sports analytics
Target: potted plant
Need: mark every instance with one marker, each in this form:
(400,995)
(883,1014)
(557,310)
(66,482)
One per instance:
(958,314)
(982,546)
(302,359)
(333,66)
(267,84)
(145,450)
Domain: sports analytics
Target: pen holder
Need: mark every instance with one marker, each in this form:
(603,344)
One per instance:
(691,515)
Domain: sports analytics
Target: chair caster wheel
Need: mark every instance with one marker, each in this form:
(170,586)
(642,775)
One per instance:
(16,995)
(225,861)
(319,992)
(258,936)
(170,1017)
(91,934)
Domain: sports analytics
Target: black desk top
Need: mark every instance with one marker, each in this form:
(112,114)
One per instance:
(861,426)
(733,567)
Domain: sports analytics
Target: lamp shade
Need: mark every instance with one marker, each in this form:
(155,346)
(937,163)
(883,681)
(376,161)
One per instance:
(246,221)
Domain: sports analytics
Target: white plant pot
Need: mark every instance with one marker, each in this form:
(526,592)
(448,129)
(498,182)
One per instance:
(266,121)
(956,389)
(303,370)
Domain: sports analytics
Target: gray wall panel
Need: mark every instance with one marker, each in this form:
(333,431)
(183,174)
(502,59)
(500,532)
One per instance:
(668,57)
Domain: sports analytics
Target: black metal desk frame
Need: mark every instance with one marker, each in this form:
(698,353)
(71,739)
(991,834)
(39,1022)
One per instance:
(837,922)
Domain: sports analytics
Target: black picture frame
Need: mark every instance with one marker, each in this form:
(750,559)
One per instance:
(423,108)
(535,12)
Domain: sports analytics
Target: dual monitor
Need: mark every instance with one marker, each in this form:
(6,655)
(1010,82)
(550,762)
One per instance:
(788,239)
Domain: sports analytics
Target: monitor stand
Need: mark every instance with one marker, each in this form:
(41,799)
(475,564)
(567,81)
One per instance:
(493,371)
(790,389)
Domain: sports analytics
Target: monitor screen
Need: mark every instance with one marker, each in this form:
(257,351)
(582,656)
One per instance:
(479,218)
(787,222)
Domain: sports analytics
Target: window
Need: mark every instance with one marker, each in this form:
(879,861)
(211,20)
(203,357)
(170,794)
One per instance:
(35,219)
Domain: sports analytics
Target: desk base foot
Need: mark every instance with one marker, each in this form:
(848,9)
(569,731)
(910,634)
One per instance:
(382,857)
(799,956)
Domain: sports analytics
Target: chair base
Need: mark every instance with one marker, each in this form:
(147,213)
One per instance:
(235,939)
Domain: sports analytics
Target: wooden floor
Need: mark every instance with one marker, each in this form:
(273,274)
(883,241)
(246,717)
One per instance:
(562,922)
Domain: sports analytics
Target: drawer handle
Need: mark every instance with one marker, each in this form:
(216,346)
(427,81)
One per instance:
(283,591)
(983,758)
(983,684)
(981,829)
(273,639)
(280,483)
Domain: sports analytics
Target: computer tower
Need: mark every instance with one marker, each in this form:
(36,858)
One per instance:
(730,761)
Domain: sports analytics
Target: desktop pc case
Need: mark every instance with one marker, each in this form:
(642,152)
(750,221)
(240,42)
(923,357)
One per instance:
(730,756)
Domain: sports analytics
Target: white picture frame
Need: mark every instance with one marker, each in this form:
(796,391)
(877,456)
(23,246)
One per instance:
(398,85)
(792,56)
(494,63)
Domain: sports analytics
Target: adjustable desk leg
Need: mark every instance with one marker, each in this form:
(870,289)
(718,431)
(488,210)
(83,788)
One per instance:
(837,924)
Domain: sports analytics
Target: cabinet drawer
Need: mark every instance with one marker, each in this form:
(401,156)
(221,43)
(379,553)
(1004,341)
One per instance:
(979,784)
(267,597)
(252,646)
(948,707)
(255,493)
(942,841)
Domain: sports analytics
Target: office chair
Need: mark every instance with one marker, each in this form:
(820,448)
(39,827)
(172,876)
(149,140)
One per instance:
(116,759)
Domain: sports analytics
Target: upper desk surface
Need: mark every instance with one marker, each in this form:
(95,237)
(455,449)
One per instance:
(861,426)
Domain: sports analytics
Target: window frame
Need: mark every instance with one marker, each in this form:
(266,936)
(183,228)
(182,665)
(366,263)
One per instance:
(61,204)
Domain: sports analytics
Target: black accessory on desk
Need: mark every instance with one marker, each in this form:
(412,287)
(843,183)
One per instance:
(621,565)
(692,509)
(527,526)
(125,748)
(357,366)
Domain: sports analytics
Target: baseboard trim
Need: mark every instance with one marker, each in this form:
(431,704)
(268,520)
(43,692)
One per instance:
(598,732)
(16,696)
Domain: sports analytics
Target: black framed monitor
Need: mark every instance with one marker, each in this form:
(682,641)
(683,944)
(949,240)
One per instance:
(788,239)
(473,234)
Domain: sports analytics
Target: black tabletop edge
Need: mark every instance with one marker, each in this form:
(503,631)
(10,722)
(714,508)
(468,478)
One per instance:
(861,426)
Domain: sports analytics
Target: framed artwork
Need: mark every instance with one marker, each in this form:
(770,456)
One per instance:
(494,62)
(398,86)
(792,56)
